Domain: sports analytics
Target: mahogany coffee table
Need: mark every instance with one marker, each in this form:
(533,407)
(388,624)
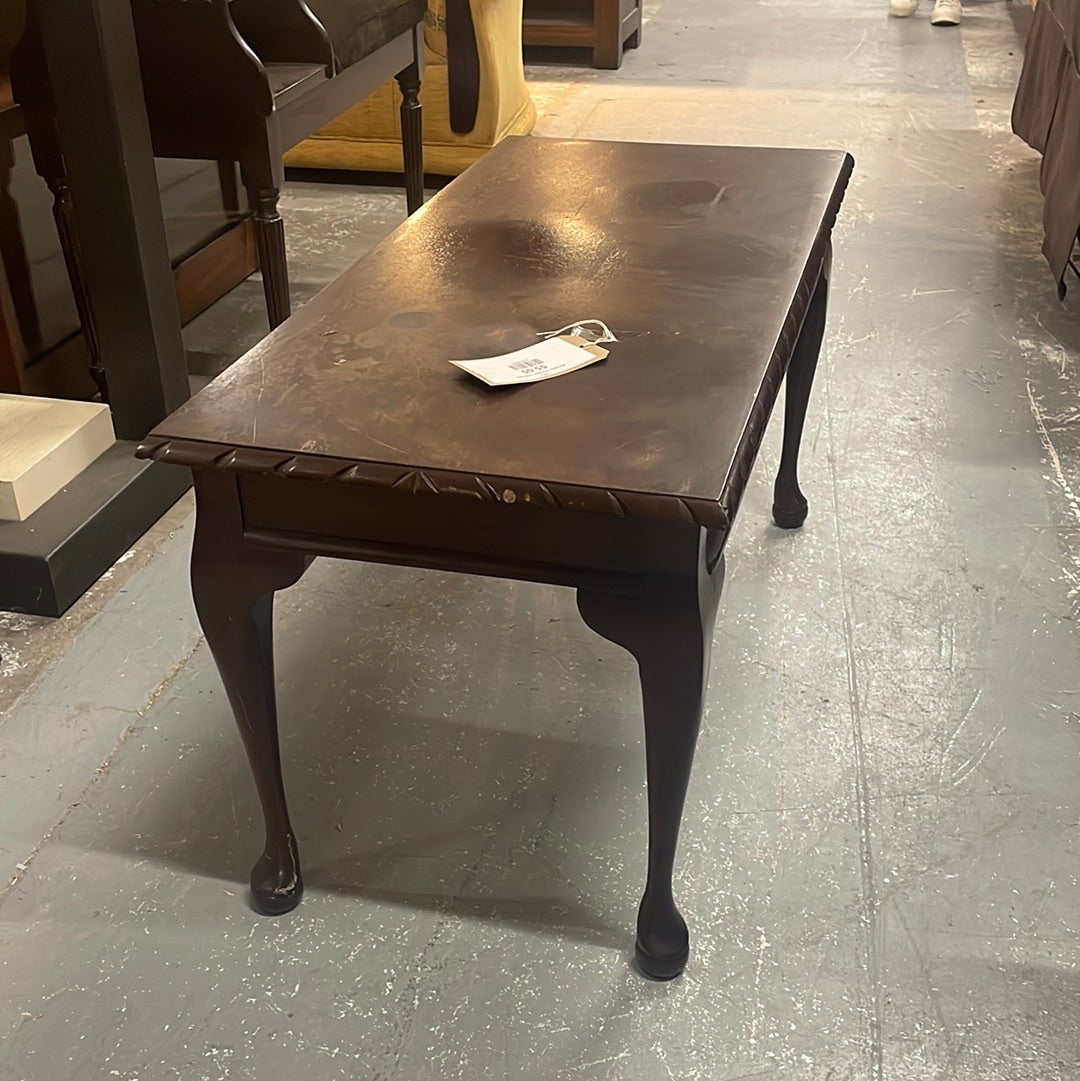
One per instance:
(348,433)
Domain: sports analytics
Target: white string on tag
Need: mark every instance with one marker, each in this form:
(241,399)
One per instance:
(578,330)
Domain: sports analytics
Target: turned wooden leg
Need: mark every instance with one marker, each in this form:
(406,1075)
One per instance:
(64,216)
(52,168)
(45,146)
(789,503)
(671,638)
(412,136)
(234,586)
(270,243)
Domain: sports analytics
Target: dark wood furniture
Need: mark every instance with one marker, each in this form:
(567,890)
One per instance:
(285,68)
(210,256)
(89,52)
(608,27)
(34,359)
(44,349)
(348,433)
(244,81)
(18,314)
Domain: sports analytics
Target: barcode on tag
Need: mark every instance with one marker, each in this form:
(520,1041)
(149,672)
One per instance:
(527,365)
(549,358)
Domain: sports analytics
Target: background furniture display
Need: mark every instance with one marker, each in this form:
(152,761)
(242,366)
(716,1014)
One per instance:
(18,313)
(630,504)
(474,95)
(43,351)
(1046,115)
(46,345)
(90,55)
(242,81)
(605,26)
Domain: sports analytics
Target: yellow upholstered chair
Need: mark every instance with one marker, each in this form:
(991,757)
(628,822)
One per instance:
(469,103)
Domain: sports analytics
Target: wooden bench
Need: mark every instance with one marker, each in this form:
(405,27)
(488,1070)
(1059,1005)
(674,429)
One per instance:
(349,433)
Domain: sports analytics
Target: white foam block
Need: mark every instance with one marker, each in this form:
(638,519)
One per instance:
(44,444)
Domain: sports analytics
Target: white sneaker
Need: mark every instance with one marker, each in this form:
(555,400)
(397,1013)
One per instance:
(946,13)
(901,9)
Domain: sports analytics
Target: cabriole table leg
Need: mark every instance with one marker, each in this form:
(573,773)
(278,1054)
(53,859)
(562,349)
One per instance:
(233,585)
(670,636)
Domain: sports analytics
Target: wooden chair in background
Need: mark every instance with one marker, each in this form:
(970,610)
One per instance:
(245,80)
(240,82)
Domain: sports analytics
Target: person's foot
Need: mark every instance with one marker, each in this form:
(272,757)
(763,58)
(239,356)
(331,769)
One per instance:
(946,13)
(901,9)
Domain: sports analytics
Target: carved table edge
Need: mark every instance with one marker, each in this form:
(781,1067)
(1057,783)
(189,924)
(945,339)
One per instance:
(198,455)
(776,369)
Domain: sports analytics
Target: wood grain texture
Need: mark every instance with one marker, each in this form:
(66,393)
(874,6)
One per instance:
(205,276)
(606,26)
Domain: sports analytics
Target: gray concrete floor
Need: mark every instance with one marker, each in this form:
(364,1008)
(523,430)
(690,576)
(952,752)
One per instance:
(882,841)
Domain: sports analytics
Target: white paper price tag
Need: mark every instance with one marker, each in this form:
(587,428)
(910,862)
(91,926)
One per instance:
(545,360)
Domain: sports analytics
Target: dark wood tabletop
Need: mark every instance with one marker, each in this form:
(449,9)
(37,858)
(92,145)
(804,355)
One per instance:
(701,259)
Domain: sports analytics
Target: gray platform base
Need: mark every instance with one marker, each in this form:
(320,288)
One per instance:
(51,559)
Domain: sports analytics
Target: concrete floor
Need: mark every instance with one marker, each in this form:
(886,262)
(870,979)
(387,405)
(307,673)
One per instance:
(882,841)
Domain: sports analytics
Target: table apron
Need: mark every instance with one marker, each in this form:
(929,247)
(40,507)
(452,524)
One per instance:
(516,541)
